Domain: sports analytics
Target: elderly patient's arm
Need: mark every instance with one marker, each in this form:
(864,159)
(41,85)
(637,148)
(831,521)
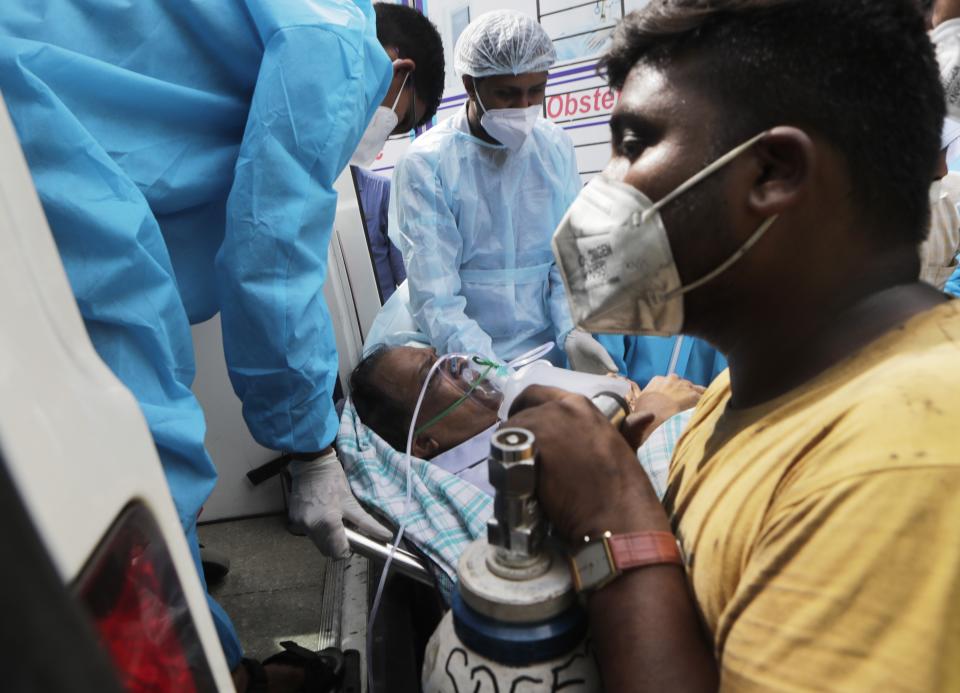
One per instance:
(644,624)
(663,397)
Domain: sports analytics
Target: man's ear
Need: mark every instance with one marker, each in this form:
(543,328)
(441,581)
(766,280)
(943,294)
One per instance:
(425,446)
(785,160)
(402,66)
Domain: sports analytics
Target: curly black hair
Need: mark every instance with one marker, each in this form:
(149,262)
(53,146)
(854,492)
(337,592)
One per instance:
(860,73)
(415,38)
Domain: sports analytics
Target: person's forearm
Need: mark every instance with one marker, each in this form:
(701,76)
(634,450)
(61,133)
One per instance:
(944,10)
(446,324)
(644,624)
(559,307)
(648,636)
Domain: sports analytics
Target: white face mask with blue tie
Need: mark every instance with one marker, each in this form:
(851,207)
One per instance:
(614,255)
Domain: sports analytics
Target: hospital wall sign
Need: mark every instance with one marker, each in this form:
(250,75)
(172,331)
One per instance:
(594,101)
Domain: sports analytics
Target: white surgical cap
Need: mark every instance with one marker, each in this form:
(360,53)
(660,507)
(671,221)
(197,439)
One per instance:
(503,42)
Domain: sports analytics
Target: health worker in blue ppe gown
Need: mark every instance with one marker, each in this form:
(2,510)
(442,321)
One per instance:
(642,358)
(476,200)
(185,154)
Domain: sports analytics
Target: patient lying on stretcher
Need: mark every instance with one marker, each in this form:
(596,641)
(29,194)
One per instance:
(450,497)
(386,384)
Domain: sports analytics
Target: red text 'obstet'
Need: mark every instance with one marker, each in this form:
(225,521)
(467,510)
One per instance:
(581,104)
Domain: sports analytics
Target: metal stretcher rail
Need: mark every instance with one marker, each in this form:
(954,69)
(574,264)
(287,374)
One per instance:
(404,562)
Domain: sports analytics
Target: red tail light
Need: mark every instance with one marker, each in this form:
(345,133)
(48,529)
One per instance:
(137,603)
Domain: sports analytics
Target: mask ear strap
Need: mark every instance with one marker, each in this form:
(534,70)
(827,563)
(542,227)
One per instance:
(752,241)
(476,91)
(402,85)
(708,171)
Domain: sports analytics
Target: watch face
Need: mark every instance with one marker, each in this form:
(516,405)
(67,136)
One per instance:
(593,566)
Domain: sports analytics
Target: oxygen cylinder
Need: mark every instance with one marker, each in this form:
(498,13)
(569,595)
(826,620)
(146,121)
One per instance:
(515,623)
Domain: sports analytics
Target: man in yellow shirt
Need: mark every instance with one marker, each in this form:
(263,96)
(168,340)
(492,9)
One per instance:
(816,495)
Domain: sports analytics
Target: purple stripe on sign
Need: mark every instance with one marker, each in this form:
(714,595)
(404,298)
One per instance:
(575,79)
(574,71)
(585,125)
(447,108)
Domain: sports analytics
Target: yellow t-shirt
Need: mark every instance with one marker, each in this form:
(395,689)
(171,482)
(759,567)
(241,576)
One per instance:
(822,530)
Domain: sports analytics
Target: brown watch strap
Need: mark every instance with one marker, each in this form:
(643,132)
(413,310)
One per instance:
(643,548)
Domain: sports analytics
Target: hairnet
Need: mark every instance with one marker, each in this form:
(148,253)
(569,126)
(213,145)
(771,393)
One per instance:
(503,42)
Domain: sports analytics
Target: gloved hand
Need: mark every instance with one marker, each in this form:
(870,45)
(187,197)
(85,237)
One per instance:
(320,500)
(586,354)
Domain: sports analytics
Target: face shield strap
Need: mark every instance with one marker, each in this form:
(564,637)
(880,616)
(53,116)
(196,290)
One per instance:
(490,365)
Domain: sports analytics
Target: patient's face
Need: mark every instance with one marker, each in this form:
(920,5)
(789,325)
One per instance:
(402,371)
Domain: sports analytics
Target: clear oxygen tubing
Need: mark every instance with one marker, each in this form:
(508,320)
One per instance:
(675,356)
(534,354)
(408,469)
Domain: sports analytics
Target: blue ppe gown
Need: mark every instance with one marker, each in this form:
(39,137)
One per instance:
(474,222)
(642,358)
(164,135)
(953,283)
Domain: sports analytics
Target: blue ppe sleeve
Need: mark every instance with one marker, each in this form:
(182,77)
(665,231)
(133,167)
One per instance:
(432,249)
(559,307)
(952,286)
(641,358)
(616,346)
(120,272)
(118,267)
(313,97)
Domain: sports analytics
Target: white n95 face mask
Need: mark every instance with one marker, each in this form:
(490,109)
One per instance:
(614,256)
(509,126)
(383,123)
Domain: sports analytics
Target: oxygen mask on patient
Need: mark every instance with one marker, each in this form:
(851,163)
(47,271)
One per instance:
(494,386)
(476,378)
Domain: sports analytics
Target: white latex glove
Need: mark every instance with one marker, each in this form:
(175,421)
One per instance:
(320,500)
(586,354)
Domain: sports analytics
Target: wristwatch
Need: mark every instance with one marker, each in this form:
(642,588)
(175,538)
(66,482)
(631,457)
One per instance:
(602,560)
